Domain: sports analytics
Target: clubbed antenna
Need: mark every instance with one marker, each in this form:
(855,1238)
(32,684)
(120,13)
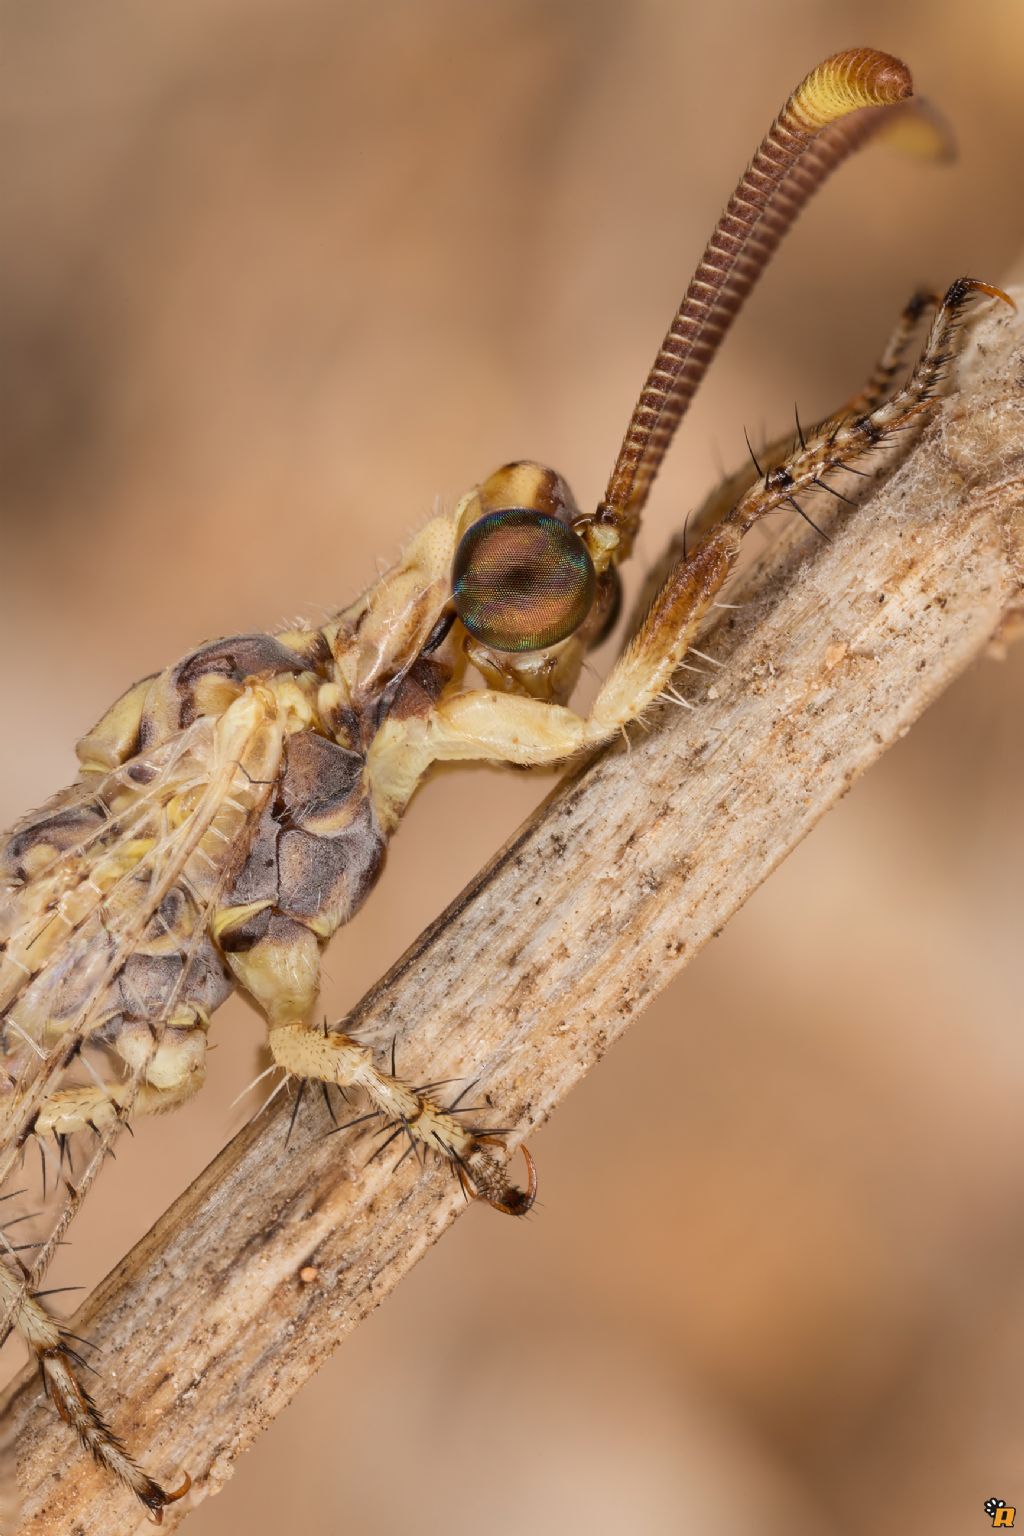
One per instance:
(828,116)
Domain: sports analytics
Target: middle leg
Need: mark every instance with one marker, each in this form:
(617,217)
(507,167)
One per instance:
(332,1057)
(280,970)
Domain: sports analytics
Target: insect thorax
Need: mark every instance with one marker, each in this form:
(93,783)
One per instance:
(294,847)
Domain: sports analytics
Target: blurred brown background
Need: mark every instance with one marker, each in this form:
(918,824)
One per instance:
(272,277)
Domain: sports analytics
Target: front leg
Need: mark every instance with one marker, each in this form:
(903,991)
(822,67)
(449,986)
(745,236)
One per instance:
(494,727)
(869,397)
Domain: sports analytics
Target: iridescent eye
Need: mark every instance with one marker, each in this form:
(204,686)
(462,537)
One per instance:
(522,580)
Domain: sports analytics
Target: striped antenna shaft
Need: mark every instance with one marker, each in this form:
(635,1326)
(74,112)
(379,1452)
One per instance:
(812,135)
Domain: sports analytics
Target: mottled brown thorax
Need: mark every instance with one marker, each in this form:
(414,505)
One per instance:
(291,852)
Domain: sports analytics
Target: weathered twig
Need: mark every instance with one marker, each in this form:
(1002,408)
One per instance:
(591,909)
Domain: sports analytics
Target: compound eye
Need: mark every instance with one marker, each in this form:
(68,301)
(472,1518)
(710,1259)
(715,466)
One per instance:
(522,580)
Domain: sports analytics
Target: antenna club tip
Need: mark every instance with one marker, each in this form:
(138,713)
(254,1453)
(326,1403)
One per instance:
(886,76)
(855,78)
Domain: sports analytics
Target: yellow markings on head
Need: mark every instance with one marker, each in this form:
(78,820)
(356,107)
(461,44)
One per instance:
(858,77)
(466,513)
(525,483)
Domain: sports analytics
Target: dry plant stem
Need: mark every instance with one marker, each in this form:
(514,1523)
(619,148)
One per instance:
(606,893)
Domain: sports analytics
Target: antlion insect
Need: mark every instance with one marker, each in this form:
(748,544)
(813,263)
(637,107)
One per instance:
(232,811)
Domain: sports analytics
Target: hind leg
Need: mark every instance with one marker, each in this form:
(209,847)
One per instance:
(281,972)
(57,1361)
